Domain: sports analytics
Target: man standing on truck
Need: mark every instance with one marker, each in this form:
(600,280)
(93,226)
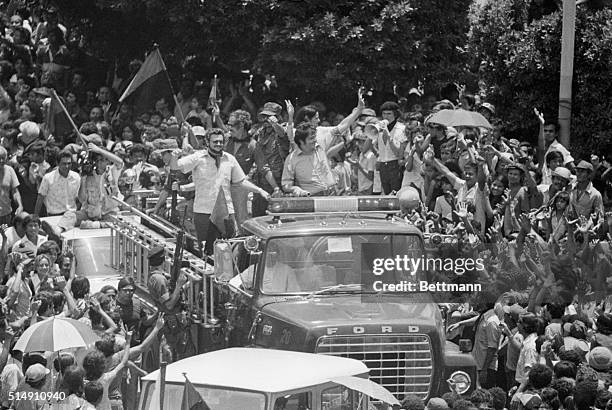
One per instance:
(214,171)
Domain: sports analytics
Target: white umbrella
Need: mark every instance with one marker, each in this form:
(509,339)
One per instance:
(459,118)
(55,334)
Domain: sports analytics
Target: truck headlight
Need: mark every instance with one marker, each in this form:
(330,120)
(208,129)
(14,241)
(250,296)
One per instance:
(461,380)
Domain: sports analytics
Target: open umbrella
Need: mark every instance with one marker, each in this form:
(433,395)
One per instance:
(459,118)
(55,334)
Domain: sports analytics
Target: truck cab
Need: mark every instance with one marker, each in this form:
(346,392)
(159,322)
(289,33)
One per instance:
(302,280)
(261,380)
(307,286)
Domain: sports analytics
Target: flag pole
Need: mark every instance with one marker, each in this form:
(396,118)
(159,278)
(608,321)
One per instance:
(79,135)
(214,119)
(162,381)
(181,118)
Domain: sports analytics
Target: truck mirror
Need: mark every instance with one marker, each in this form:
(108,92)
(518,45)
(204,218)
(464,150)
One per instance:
(465,345)
(224,261)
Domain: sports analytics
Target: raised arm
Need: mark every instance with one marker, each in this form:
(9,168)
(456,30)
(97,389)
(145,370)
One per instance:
(349,120)
(137,350)
(541,142)
(124,359)
(454,179)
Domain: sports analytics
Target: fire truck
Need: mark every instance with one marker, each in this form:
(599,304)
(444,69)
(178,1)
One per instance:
(297,282)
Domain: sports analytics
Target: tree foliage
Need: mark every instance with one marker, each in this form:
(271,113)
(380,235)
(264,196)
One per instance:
(522,49)
(315,48)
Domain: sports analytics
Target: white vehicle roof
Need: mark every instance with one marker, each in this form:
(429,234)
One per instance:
(264,370)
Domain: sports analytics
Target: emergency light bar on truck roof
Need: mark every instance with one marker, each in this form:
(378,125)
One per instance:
(336,204)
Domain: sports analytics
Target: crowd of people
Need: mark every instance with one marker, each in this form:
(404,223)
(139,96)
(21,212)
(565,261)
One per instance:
(541,331)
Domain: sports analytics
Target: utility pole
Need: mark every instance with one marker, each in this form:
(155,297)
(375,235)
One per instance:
(567,70)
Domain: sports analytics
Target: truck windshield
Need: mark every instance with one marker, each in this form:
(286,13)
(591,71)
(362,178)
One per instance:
(215,398)
(309,264)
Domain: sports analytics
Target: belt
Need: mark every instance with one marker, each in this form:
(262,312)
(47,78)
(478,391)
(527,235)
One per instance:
(392,162)
(325,192)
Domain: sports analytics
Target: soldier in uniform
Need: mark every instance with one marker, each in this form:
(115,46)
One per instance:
(176,328)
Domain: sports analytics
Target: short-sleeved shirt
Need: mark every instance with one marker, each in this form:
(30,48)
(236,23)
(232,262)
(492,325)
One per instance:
(368,163)
(397,136)
(96,191)
(8,182)
(312,172)
(512,354)
(586,202)
(24,245)
(465,193)
(527,358)
(60,192)
(209,179)
(21,306)
(567,158)
(488,335)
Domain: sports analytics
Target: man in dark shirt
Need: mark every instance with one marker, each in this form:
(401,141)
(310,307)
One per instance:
(134,314)
(273,144)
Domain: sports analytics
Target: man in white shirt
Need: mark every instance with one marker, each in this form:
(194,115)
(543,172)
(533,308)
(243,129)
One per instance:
(547,142)
(390,144)
(59,188)
(214,171)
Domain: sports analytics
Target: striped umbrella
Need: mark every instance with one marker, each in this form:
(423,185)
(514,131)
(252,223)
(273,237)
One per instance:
(55,334)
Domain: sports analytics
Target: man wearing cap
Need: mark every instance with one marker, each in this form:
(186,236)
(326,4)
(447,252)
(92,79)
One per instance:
(561,178)
(390,144)
(138,157)
(59,188)
(584,198)
(34,384)
(273,146)
(176,326)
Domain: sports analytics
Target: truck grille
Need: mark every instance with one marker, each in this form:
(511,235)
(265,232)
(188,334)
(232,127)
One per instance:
(403,363)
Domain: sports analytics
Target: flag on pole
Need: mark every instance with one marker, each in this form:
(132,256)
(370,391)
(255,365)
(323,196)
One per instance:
(220,213)
(150,84)
(192,400)
(213,97)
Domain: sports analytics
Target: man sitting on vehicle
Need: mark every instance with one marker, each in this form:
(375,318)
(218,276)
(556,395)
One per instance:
(278,277)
